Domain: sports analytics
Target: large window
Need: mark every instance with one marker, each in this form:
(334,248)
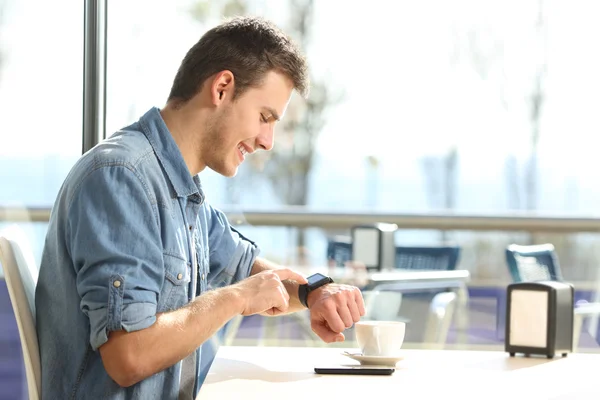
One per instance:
(416,107)
(431,107)
(41,58)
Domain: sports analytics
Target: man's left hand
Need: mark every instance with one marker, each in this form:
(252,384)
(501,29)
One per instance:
(333,309)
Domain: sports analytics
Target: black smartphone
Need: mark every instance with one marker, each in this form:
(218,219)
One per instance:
(355,370)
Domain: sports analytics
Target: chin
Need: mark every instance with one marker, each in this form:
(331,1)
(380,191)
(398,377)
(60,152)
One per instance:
(226,172)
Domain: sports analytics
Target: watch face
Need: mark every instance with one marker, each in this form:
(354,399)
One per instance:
(316,278)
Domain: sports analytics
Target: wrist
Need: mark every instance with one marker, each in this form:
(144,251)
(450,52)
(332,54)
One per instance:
(312,297)
(315,282)
(235,296)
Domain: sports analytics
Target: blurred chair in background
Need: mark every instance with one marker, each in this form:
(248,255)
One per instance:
(339,251)
(441,258)
(426,297)
(385,306)
(21,273)
(384,301)
(533,263)
(528,263)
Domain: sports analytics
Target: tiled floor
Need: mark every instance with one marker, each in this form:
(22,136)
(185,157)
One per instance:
(481,334)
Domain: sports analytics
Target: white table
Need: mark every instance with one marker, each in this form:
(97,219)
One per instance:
(416,278)
(288,373)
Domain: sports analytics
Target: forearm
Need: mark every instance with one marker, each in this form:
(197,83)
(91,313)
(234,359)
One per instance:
(261,264)
(132,357)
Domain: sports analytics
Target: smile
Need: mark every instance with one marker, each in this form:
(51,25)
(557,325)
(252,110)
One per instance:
(242,152)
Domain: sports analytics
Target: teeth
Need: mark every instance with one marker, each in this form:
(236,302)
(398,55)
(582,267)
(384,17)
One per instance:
(243,150)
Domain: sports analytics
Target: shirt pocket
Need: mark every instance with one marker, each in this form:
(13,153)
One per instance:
(174,293)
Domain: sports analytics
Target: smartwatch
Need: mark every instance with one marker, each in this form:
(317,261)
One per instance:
(315,281)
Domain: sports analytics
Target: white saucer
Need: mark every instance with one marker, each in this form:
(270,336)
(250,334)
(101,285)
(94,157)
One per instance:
(374,360)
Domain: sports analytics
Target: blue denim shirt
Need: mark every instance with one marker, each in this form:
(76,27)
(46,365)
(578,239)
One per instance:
(127,225)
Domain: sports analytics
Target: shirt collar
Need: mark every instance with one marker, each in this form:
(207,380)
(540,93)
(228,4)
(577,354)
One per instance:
(169,155)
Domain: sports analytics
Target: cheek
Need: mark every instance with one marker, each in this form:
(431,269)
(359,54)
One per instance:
(241,124)
(247,127)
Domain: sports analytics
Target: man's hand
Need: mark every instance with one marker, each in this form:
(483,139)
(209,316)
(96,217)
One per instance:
(334,308)
(264,292)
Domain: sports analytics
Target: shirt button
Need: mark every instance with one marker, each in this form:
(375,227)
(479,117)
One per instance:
(202,277)
(191,227)
(179,276)
(117,284)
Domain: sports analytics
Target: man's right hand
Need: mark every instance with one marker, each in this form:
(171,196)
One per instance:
(264,292)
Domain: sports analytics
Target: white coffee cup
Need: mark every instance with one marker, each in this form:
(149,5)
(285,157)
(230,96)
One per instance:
(380,338)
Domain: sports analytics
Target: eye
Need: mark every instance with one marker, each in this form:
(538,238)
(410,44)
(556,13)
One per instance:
(263,118)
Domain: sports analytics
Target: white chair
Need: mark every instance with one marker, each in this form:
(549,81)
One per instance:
(385,306)
(582,311)
(441,312)
(382,305)
(21,276)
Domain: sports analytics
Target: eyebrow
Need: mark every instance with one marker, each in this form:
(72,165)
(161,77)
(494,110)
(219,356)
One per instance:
(273,113)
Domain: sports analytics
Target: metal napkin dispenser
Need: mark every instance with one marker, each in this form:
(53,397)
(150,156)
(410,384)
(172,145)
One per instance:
(539,318)
(374,245)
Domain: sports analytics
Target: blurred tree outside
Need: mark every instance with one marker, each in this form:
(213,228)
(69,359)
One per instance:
(289,165)
(485,48)
(440,172)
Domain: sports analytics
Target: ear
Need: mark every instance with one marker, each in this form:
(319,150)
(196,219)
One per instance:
(222,87)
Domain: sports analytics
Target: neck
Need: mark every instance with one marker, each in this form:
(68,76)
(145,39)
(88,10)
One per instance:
(184,125)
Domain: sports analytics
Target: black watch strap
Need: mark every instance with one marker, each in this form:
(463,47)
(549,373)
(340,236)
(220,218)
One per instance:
(303,294)
(315,282)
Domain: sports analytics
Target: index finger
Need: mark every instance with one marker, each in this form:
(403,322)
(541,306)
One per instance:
(285,273)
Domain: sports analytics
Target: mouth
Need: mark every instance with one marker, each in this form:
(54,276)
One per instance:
(242,151)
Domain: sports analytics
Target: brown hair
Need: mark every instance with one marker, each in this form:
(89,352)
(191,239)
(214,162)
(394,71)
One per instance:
(249,47)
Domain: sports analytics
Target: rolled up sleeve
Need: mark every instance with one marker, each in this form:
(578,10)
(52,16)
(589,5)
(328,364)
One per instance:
(231,254)
(115,245)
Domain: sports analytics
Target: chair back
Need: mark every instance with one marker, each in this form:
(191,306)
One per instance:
(439,320)
(339,250)
(21,276)
(427,258)
(382,305)
(533,263)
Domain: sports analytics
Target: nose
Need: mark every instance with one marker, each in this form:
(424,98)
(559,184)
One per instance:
(265,138)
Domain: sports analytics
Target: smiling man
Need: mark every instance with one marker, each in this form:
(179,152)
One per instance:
(138,269)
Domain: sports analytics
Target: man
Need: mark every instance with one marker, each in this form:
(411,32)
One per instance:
(133,246)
